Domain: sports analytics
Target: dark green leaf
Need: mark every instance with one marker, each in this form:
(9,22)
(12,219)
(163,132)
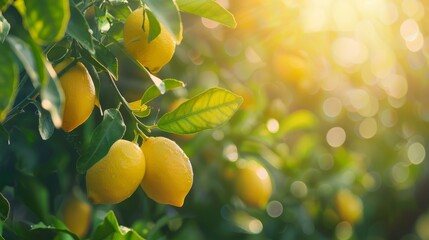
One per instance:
(111,129)
(29,60)
(96,80)
(4,208)
(8,80)
(209,9)
(118,9)
(167,13)
(5,133)
(4,28)
(153,92)
(46,20)
(110,229)
(46,126)
(154,27)
(78,29)
(33,194)
(55,225)
(59,51)
(208,110)
(52,96)
(103,60)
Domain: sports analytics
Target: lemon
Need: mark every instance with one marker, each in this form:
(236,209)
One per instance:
(153,55)
(79,94)
(349,206)
(253,184)
(117,175)
(169,175)
(77,216)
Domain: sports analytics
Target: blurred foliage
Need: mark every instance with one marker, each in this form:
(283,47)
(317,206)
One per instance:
(335,108)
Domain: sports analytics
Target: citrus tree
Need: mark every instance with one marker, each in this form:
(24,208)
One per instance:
(202,119)
(60,60)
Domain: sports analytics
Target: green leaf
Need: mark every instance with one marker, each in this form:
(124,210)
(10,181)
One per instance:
(4,208)
(59,50)
(111,129)
(78,29)
(52,96)
(208,110)
(167,13)
(110,229)
(118,9)
(209,9)
(4,28)
(103,59)
(299,120)
(55,225)
(4,4)
(152,92)
(8,80)
(46,20)
(31,63)
(46,126)
(5,133)
(154,26)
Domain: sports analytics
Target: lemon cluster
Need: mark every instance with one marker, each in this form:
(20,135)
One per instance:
(159,166)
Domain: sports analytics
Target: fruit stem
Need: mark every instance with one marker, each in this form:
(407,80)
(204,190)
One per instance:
(124,103)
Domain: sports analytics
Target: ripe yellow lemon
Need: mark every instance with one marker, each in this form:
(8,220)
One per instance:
(253,184)
(77,216)
(349,206)
(153,55)
(117,175)
(79,94)
(169,175)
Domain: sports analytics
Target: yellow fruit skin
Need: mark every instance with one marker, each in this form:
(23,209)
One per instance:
(79,93)
(169,175)
(153,55)
(349,206)
(117,175)
(253,185)
(77,216)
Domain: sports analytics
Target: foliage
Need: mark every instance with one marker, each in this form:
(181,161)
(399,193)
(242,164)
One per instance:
(328,96)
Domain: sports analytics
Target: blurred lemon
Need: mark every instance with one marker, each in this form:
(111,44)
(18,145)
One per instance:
(79,94)
(117,175)
(153,55)
(349,206)
(77,216)
(169,175)
(291,67)
(253,184)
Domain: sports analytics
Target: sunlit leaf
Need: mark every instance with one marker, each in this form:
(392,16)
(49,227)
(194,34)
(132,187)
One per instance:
(110,229)
(46,126)
(4,4)
(118,9)
(52,96)
(46,20)
(55,225)
(208,110)
(209,9)
(299,120)
(167,13)
(154,26)
(4,28)
(8,80)
(111,129)
(78,29)
(4,208)
(152,92)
